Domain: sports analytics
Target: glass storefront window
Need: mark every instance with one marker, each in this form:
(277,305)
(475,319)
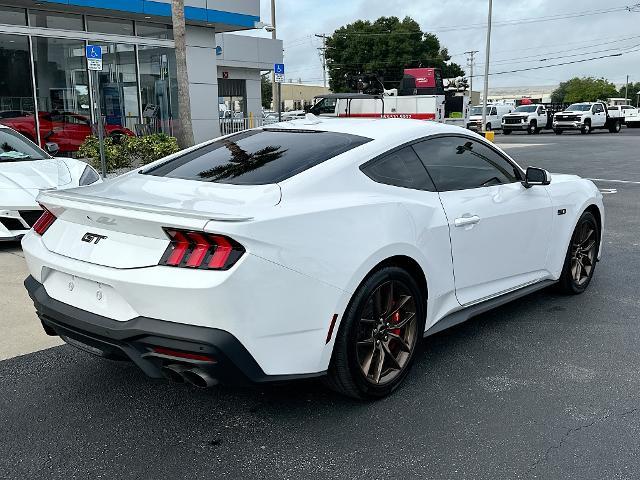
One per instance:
(16,92)
(119,87)
(154,30)
(63,21)
(158,89)
(110,25)
(13,16)
(62,90)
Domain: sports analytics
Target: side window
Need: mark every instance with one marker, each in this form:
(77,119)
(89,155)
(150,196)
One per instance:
(597,108)
(401,168)
(459,163)
(494,111)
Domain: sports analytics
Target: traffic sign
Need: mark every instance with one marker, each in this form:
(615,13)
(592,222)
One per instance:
(278,70)
(94,57)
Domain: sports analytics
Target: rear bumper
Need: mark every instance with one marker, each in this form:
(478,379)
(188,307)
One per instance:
(134,339)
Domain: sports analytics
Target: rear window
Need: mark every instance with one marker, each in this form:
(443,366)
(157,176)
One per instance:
(258,157)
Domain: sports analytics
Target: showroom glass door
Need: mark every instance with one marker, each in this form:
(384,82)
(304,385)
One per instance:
(119,87)
(17,107)
(62,90)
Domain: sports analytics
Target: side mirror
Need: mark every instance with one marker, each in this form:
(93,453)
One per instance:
(536,176)
(52,148)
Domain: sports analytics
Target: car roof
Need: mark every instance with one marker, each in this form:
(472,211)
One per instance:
(392,130)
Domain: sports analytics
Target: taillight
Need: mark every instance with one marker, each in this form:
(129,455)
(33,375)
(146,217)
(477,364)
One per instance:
(205,251)
(44,222)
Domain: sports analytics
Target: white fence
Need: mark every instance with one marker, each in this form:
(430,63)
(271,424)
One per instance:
(233,125)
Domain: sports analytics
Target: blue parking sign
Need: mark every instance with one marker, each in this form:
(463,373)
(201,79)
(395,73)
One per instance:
(278,68)
(94,52)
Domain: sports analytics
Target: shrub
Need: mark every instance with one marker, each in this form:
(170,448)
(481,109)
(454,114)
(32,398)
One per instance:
(147,149)
(128,152)
(114,156)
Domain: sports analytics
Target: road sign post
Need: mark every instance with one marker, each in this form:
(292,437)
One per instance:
(94,64)
(278,70)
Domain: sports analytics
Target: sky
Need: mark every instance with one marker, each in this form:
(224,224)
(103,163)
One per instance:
(579,33)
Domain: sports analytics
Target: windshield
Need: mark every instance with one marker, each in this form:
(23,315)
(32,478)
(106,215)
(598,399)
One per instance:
(526,108)
(258,157)
(478,110)
(14,147)
(578,107)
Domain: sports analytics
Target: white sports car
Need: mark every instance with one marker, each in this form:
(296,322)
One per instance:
(25,170)
(308,248)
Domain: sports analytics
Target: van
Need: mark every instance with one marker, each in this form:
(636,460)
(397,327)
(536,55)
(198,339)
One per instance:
(495,113)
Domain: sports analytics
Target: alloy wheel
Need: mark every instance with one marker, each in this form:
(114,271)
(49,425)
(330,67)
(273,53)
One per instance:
(387,332)
(583,253)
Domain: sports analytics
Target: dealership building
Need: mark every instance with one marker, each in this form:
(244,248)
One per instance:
(43,66)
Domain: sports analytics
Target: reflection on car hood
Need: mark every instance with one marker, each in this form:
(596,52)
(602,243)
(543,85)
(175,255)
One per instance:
(34,175)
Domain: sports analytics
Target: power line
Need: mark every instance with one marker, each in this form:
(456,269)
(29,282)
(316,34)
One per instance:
(563,63)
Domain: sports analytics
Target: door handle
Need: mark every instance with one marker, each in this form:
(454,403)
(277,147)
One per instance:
(466,220)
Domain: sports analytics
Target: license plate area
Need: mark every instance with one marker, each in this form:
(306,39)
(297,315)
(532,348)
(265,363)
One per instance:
(95,297)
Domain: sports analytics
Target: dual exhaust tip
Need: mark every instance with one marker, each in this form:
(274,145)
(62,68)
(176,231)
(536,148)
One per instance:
(188,374)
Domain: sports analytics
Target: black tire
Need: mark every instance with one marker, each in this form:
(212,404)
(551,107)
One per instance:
(345,374)
(532,128)
(615,127)
(557,131)
(506,132)
(586,128)
(568,283)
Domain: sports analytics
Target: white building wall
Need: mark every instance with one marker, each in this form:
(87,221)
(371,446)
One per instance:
(203,82)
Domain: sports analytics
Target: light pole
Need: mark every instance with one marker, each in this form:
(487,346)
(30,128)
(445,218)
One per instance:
(486,70)
(274,88)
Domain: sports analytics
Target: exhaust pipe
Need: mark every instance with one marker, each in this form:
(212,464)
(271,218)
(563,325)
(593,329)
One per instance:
(174,371)
(199,378)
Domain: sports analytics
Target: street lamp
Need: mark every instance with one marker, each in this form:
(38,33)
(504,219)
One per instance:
(486,71)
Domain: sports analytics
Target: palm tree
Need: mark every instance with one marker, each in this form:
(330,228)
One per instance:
(185,129)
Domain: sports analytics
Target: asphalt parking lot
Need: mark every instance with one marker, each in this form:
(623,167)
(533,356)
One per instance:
(545,387)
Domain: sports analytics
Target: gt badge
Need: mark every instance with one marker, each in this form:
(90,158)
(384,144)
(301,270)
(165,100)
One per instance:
(92,238)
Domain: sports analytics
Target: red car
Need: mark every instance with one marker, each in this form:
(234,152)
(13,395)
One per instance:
(66,129)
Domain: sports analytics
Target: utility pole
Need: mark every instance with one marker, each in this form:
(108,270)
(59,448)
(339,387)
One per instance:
(323,57)
(470,62)
(626,89)
(486,70)
(275,92)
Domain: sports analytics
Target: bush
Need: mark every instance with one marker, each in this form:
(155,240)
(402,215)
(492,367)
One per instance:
(147,149)
(113,154)
(128,152)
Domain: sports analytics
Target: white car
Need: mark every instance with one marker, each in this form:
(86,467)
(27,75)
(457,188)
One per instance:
(494,115)
(311,248)
(25,170)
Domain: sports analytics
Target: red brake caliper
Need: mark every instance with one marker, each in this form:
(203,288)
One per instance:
(395,319)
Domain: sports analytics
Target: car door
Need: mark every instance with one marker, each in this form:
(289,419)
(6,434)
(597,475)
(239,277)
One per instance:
(598,115)
(499,230)
(404,177)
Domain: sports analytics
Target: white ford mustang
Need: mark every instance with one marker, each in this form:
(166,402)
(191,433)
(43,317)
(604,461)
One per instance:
(25,170)
(308,248)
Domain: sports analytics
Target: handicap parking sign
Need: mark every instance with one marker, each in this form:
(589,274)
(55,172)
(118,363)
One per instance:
(94,57)
(278,69)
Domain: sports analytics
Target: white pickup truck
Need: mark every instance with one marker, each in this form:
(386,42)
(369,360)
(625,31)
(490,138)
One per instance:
(630,115)
(529,118)
(586,117)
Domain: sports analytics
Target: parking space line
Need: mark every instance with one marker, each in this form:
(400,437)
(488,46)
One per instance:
(630,182)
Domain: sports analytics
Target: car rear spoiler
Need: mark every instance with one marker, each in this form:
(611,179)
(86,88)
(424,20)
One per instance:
(90,204)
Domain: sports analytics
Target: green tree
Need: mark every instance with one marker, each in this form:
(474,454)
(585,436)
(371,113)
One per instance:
(384,47)
(634,88)
(585,89)
(267,92)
